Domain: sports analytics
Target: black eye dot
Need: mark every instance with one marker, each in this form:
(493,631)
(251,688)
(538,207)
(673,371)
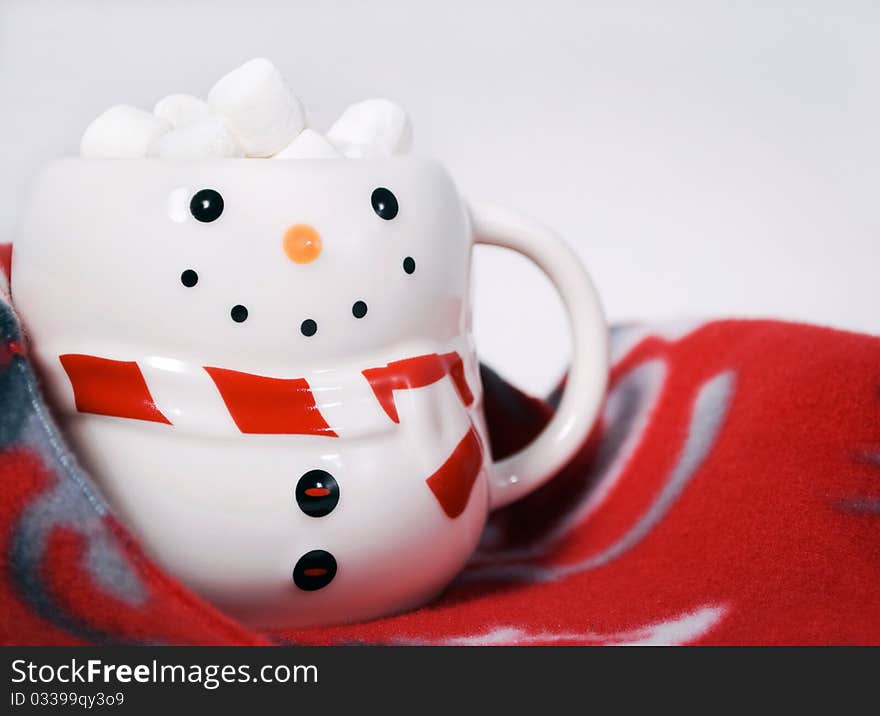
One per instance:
(308,327)
(239,313)
(206,205)
(359,309)
(409,264)
(384,203)
(189,278)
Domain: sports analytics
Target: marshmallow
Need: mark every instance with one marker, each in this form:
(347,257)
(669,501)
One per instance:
(372,128)
(122,132)
(182,109)
(259,107)
(206,139)
(308,145)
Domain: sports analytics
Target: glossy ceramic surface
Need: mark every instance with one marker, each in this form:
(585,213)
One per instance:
(268,368)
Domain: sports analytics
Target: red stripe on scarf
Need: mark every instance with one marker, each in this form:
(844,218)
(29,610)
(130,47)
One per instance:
(110,387)
(453,481)
(6,260)
(276,406)
(416,373)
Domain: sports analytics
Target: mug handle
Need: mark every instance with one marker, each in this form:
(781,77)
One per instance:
(520,473)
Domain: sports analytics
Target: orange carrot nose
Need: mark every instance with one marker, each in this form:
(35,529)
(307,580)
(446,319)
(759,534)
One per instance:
(302,243)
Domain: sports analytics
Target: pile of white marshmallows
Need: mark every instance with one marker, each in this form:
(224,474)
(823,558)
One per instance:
(251,112)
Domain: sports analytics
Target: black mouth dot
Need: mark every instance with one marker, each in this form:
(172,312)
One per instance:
(359,309)
(409,264)
(239,313)
(308,327)
(189,278)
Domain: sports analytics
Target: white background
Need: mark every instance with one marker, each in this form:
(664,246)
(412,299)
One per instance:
(703,158)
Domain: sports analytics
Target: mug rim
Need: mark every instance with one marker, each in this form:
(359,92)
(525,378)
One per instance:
(243,161)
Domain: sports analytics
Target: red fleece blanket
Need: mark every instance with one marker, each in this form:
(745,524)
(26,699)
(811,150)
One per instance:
(730,495)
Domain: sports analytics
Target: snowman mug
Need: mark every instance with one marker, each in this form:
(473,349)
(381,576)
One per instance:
(267,366)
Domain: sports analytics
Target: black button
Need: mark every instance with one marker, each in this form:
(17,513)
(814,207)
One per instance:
(317,493)
(314,570)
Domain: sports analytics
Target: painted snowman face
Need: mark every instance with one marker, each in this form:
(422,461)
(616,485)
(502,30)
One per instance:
(250,261)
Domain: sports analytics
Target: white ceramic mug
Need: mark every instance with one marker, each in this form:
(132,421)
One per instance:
(268,368)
